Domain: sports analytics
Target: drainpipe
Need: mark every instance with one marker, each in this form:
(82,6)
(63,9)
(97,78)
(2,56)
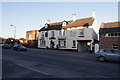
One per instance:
(91,45)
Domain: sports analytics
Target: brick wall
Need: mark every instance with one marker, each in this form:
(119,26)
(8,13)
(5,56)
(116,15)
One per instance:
(34,34)
(107,42)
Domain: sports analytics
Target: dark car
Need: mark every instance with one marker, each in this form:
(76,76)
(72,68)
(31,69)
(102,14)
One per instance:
(108,55)
(5,46)
(19,48)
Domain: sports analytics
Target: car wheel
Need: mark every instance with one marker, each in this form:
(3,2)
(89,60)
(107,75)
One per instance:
(101,58)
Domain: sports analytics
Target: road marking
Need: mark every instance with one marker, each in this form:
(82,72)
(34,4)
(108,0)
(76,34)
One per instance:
(34,69)
(30,68)
(48,73)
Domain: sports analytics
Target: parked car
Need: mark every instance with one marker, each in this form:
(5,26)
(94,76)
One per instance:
(19,48)
(108,55)
(5,46)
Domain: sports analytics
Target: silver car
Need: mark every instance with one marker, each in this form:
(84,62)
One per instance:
(108,54)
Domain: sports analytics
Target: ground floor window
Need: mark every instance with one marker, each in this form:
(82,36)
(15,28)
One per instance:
(115,46)
(62,42)
(74,43)
(42,42)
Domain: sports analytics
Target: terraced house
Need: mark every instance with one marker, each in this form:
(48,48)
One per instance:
(110,35)
(75,34)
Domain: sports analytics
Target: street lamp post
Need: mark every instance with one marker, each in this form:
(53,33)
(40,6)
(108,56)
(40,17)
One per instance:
(14,31)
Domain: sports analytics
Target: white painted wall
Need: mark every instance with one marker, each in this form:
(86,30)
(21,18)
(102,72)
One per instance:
(71,34)
(47,40)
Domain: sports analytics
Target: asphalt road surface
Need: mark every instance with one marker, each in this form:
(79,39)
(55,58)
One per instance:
(42,63)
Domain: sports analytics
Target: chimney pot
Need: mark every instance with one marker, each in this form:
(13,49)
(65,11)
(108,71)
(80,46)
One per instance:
(47,21)
(74,17)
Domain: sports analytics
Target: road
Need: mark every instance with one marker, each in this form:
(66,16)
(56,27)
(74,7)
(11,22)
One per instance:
(42,63)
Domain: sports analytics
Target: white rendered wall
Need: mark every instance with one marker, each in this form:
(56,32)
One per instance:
(71,34)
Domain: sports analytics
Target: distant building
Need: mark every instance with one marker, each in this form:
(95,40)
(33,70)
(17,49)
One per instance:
(22,40)
(2,40)
(32,38)
(76,34)
(109,35)
(11,41)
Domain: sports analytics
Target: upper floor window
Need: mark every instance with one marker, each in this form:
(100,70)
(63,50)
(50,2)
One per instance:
(46,25)
(81,32)
(112,35)
(62,33)
(30,36)
(64,23)
(46,34)
(52,33)
(86,25)
(42,34)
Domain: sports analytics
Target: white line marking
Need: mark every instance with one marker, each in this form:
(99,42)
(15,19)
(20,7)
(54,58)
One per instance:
(48,73)
(30,68)
(33,69)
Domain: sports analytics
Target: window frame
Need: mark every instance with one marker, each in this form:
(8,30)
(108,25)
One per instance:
(62,43)
(81,31)
(30,36)
(112,34)
(60,33)
(52,33)
(42,42)
(115,46)
(64,33)
(74,43)
(64,23)
(42,34)
(46,25)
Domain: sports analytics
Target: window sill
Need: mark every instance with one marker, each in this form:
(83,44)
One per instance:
(52,38)
(80,36)
(62,46)
(73,46)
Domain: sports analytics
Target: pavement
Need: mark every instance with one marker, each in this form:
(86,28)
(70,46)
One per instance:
(70,53)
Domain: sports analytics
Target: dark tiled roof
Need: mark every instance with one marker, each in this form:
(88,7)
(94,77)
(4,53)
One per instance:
(76,23)
(52,27)
(109,30)
(80,22)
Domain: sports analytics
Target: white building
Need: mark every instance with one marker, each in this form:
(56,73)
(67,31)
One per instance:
(76,34)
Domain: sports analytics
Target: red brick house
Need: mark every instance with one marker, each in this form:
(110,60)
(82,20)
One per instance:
(109,35)
(32,38)
(22,40)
